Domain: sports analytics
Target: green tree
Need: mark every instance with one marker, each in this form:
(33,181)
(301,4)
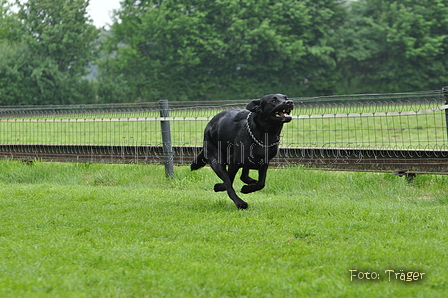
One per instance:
(394,46)
(9,24)
(184,49)
(62,30)
(44,60)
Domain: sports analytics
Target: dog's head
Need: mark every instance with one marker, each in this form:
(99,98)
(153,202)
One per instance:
(272,107)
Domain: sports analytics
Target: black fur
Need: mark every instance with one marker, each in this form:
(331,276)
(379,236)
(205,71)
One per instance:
(229,144)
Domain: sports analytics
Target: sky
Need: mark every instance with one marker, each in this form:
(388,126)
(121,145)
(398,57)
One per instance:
(101,10)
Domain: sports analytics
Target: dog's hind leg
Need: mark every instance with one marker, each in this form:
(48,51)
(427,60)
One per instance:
(245,177)
(199,161)
(258,184)
(227,177)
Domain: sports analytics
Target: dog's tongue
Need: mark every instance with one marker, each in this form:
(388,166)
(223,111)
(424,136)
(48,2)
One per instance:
(282,114)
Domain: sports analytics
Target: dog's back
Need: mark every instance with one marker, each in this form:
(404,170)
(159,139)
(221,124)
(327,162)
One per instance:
(225,125)
(222,128)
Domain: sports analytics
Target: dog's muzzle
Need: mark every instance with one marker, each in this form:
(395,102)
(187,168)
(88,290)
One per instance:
(283,112)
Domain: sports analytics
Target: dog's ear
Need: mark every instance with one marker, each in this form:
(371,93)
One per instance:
(253,105)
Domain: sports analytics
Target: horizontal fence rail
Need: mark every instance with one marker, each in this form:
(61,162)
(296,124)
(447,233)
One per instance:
(399,132)
(321,116)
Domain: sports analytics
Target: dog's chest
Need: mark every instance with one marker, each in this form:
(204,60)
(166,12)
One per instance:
(253,155)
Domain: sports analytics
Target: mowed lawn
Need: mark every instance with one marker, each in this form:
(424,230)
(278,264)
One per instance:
(92,230)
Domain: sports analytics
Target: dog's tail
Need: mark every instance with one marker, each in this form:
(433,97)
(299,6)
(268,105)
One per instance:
(199,161)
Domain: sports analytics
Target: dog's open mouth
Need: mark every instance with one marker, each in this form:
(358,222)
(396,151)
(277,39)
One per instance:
(282,113)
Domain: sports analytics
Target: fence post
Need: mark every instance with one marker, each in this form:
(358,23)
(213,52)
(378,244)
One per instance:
(445,95)
(166,139)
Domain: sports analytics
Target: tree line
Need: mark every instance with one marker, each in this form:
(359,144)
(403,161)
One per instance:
(222,49)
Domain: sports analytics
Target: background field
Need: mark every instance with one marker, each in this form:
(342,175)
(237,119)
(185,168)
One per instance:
(92,230)
(426,131)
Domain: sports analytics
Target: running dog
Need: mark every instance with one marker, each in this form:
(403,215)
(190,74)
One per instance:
(246,139)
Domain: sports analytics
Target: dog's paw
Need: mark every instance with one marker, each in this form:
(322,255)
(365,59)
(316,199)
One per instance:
(251,188)
(220,187)
(242,205)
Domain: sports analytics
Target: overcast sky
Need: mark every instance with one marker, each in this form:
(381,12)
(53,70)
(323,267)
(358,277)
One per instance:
(101,10)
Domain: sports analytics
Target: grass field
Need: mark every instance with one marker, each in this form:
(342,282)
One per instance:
(94,230)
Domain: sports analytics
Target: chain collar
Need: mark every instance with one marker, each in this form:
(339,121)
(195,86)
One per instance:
(259,143)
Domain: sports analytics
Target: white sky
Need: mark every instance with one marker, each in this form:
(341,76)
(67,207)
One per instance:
(101,10)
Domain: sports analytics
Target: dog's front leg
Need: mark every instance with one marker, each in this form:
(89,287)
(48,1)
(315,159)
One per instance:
(258,184)
(245,177)
(227,177)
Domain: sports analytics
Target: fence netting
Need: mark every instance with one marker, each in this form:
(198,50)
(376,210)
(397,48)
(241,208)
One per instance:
(405,120)
(414,120)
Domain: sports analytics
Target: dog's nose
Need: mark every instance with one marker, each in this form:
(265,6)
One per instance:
(289,102)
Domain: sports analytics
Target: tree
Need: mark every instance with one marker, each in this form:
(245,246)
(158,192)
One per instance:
(220,49)
(43,59)
(394,46)
(9,24)
(60,29)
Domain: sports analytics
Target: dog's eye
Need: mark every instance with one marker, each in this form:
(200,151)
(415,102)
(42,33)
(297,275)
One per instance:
(274,99)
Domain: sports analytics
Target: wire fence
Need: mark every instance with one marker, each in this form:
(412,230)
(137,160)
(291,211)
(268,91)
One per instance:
(137,124)
(404,133)
(405,120)
(400,120)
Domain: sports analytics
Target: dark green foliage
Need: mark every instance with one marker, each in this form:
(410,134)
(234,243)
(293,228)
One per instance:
(187,50)
(223,49)
(30,79)
(45,53)
(394,46)
(61,30)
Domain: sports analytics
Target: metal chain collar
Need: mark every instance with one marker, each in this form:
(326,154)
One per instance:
(259,143)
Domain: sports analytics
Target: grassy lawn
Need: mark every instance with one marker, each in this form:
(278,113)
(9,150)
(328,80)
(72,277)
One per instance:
(94,230)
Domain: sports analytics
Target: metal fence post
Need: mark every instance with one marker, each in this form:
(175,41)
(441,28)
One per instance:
(445,95)
(166,139)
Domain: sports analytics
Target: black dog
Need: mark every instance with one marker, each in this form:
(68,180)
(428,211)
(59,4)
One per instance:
(245,139)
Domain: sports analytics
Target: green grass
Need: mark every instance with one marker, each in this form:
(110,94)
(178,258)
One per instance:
(93,230)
